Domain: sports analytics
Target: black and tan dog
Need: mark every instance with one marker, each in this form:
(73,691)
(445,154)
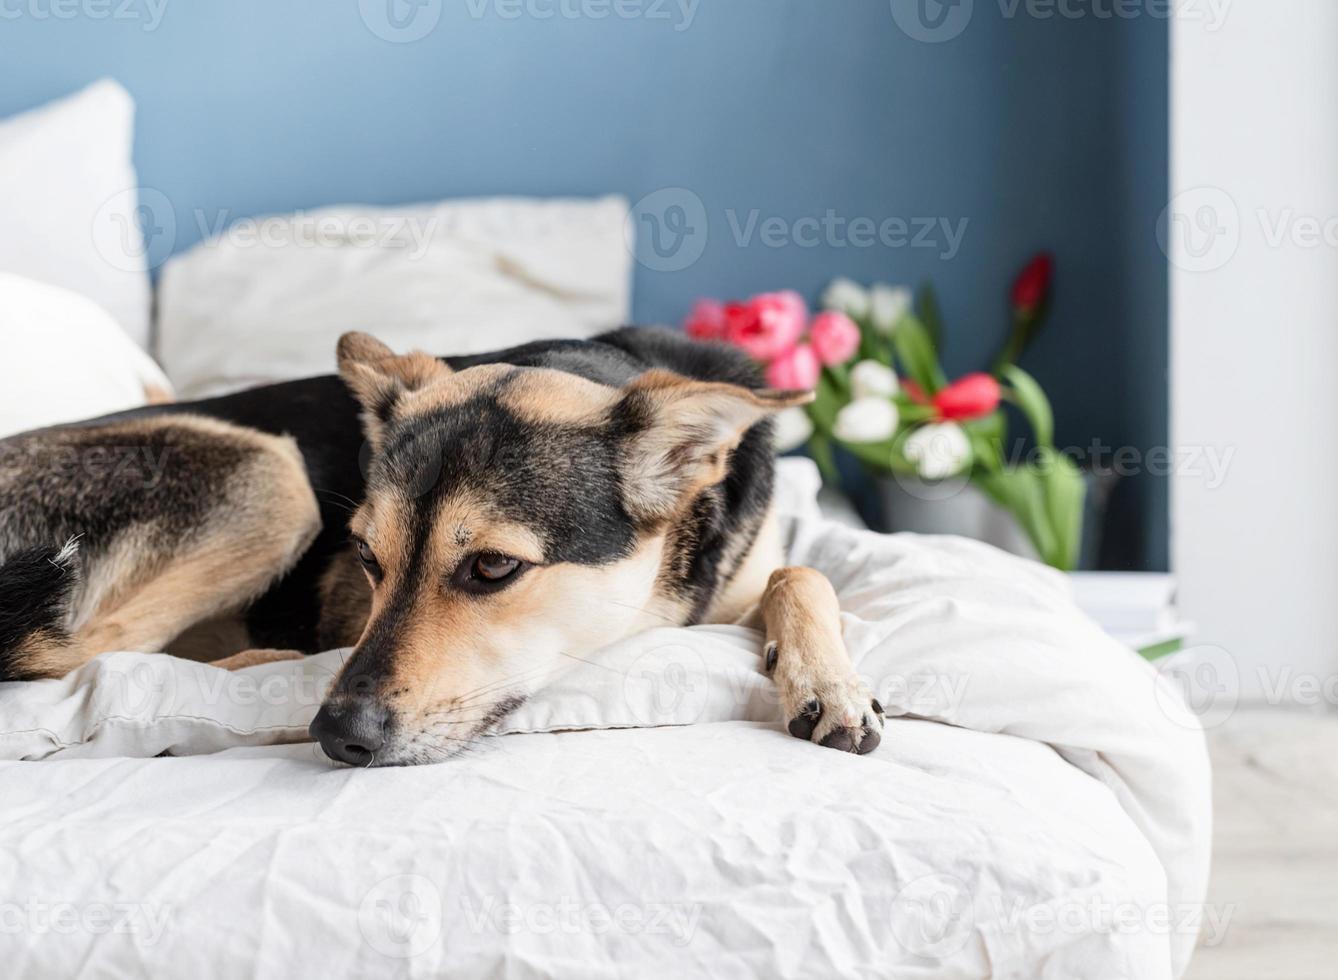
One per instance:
(509,513)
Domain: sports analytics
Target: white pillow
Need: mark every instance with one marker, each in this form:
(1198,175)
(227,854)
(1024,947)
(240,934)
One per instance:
(68,212)
(63,358)
(266,299)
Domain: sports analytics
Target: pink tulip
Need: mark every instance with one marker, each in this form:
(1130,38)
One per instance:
(968,397)
(795,370)
(835,338)
(768,325)
(706,321)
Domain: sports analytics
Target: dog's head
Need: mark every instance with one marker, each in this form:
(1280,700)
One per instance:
(515,520)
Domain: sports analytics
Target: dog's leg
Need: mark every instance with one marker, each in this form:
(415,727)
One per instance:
(232,511)
(822,698)
(250,658)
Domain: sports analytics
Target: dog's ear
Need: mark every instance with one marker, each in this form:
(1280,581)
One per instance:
(680,433)
(379,378)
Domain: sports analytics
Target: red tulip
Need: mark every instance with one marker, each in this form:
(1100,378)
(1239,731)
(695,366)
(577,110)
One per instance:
(968,397)
(768,325)
(1033,284)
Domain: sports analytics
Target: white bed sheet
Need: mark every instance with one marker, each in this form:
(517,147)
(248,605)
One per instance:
(1049,818)
(721,849)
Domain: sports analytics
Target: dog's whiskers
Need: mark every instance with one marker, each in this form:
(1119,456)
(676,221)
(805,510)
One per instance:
(335,498)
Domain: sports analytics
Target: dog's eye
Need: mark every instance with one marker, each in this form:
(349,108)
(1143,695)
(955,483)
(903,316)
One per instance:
(487,572)
(368,559)
(494,568)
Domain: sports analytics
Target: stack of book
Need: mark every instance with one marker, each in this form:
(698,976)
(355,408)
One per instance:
(1137,608)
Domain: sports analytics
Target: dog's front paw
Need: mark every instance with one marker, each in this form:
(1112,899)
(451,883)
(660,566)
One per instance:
(838,713)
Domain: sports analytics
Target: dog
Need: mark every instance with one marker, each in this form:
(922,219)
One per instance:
(469,526)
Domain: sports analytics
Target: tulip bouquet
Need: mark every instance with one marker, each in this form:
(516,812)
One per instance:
(871,355)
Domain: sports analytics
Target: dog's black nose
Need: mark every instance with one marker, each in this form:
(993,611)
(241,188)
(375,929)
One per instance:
(350,731)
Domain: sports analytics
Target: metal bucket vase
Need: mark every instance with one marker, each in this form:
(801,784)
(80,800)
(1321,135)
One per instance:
(953,506)
(957,506)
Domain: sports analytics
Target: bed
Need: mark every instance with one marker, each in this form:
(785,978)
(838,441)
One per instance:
(1039,806)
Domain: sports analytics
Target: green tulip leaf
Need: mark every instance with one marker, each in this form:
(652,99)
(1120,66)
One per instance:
(915,352)
(1029,396)
(1046,497)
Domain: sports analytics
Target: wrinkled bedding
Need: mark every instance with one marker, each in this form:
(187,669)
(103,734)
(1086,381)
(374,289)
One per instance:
(1039,808)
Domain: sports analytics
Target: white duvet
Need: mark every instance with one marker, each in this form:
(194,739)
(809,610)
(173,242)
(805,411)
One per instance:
(1040,808)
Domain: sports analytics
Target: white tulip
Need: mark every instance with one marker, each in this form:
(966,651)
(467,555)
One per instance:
(848,297)
(793,427)
(938,450)
(870,379)
(866,420)
(889,304)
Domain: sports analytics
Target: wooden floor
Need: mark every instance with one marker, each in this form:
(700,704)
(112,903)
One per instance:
(1275,855)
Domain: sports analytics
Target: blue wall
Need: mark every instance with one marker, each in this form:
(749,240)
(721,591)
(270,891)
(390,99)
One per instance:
(1037,133)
